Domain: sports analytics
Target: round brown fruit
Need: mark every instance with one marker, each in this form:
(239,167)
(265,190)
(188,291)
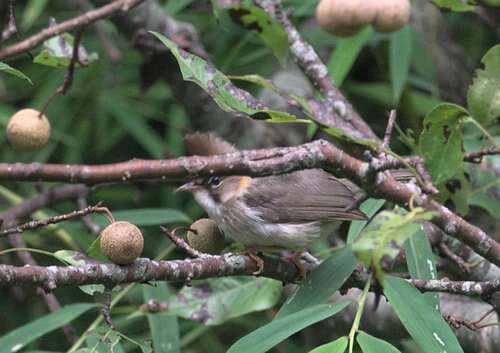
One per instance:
(28,130)
(345,18)
(206,237)
(121,242)
(391,15)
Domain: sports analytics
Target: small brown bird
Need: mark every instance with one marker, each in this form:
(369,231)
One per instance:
(288,211)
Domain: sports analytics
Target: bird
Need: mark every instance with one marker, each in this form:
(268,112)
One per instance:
(276,212)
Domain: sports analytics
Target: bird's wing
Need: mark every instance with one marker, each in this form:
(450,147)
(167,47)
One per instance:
(303,196)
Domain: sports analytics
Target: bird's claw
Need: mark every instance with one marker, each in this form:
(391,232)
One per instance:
(251,253)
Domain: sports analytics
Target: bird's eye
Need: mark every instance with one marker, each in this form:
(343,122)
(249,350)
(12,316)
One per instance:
(214,181)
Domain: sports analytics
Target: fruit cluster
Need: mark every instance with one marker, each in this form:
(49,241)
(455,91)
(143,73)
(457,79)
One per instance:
(346,18)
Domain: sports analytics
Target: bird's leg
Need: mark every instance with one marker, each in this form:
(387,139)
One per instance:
(252,253)
(295,257)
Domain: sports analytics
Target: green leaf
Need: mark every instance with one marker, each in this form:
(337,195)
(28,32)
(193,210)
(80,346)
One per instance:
(217,300)
(254,18)
(342,135)
(423,322)
(399,61)
(130,116)
(369,208)
(268,336)
(440,142)
(228,97)
(420,260)
(337,346)
(456,189)
(370,344)
(385,234)
(32,11)
(74,258)
(345,55)
(164,327)
(147,216)
(487,202)
(321,283)
(483,98)
(58,51)
(102,340)
(20,337)
(10,70)
(454,5)
(265,83)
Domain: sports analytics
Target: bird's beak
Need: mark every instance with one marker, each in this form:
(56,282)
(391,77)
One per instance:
(190,186)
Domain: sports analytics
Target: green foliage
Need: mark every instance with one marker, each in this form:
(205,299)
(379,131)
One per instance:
(369,208)
(219,87)
(370,344)
(421,262)
(22,336)
(385,234)
(58,51)
(10,70)
(267,336)
(321,283)
(164,327)
(337,346)
(455,5)
(147,217)
(110,114)
(345,54)
(483,96)
(218,300)
(441,142)
(399,61)
(423,322)
(254,18)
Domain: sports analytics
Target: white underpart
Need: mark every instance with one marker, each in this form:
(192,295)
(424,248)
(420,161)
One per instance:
(249,229)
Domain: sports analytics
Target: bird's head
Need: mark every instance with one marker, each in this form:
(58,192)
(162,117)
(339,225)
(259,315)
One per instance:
(213,192)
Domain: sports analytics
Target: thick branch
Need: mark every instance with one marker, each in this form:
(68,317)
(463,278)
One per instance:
(144,270)
(207,266)
(82,20)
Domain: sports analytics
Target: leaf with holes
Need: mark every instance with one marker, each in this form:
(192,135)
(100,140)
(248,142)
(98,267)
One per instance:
(251,17)
(58,51)
(214,301)
(440,142)
(483,98)
(227,96)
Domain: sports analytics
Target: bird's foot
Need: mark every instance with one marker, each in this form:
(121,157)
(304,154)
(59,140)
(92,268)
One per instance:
(252,253)
(295,257)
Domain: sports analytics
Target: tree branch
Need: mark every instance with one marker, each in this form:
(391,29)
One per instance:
(81,20)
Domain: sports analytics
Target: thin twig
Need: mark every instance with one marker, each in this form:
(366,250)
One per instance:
(70,72)
(181,243)
(106,308)
(11,26)
(78,21)
(454,257)
(81,202)
(389,128)
(477,157)
(34,224)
